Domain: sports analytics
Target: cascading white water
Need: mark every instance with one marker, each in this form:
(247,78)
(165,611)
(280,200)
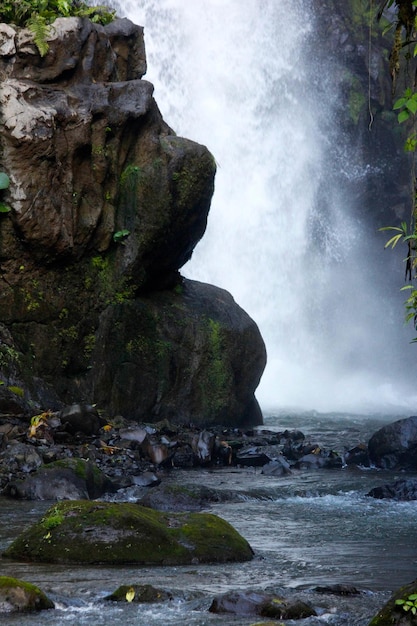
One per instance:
(283,235)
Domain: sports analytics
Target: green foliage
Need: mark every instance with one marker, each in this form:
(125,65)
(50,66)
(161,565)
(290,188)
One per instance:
(408,604)
(4,184)
(37,15)
(403,66)
(406,105)
(120,235)
(8,355)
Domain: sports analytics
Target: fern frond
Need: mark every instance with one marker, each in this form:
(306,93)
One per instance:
(39,27)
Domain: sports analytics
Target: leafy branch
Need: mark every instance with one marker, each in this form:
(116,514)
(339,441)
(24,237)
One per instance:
(37,15)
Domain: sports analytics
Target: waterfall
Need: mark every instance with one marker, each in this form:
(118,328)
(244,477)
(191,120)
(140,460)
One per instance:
(286,234)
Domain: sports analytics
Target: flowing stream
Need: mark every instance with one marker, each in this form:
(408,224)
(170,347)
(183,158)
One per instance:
(307,529)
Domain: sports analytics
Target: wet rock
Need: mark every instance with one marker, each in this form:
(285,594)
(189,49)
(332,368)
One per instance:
(146,479)
(81,418)
(402,490)
(338,589)
(252,456)
(139,593)
(136,434)
(359,455)
(123,533)
(175,497)
(277,467)
(20,596)
(262,604)
(203,446)
(319,459)
(68,479)
(21,457)
(395,446)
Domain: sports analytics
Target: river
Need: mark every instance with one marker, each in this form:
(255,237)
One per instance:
(310,528)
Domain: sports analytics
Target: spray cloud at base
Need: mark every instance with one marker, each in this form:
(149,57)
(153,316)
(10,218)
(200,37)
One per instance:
(288,234)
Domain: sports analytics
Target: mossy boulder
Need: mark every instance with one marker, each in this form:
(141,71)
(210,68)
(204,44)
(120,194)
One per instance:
(66,479)
(20,596)
(107,533)
(139,594)
(398,611)
(188,355)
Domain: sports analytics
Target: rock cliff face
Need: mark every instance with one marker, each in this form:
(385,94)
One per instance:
(107,204)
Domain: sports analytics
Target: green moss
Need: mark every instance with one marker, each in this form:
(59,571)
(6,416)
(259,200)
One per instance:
(89,344)
(35,599)
(100,532)
(217,380)
(102,277)
(139,593)
(18,391)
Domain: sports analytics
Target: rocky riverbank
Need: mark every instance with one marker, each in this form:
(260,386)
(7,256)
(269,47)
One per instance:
(79,453)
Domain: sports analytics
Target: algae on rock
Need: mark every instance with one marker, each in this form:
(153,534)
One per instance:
(107,533)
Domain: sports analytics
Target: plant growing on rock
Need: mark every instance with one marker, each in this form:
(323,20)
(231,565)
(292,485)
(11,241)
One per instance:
(408,604)
(37,15)
(4,184)
(403,68)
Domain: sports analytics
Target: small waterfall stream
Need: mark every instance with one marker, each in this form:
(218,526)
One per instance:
(286,234)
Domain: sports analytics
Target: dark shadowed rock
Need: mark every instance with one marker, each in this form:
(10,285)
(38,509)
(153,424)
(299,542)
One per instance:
(150,375)
(188,497)
(403,490)
(359,455)
(81,418)
(246,603)
(277,467)
(107,204)
(395,446)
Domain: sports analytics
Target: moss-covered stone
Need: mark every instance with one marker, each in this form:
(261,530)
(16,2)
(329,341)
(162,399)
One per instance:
(18,595)
(393,614)
(100,532)
(66,479)
(139,594)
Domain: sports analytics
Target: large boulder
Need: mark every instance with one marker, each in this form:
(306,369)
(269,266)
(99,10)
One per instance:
(189,355)
(107,204)
(101,532)
(394,446)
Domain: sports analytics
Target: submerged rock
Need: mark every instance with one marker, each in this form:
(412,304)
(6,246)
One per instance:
(20,596)
(140,594)
(262,604)
(402,490)
(180,497)
(107,533)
